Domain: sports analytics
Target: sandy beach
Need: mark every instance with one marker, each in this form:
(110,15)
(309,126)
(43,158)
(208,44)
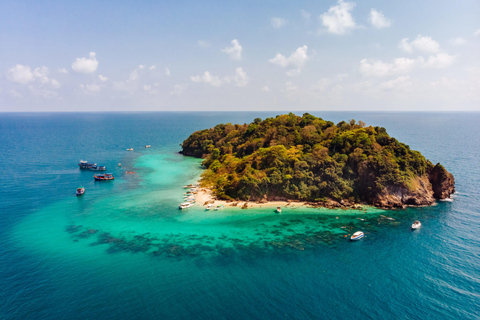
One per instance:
(204,197)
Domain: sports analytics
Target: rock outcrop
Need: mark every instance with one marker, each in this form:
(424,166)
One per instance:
(443,183)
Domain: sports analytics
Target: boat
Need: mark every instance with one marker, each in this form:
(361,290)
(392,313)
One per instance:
(357,236)
(218,207)
(279,210)
(119,164)
(210,206)
(86,165)
(80,191)
(130,149)
(190,186)
(105,176)
(97,168)
(416,225)
(147,146)
(185,205)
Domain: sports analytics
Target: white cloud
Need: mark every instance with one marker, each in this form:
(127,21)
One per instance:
(63,70)
(102,78)
(55,84)
(305,15)
(477,33)
(15,94)
(235,51)
(207,78)
(278,22)
(265,89)
(84,65)
(241,78)
(90,88)
(203,44)
(398,83)
(167,72)
(20,74)
(151,68)
(296,60)
(134,75)
(440,60)
(338,19)
(178,89)
(458,41)
(379,68)
(421,43)
(378,20)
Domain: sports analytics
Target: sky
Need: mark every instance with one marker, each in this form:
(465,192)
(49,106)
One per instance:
(70,56)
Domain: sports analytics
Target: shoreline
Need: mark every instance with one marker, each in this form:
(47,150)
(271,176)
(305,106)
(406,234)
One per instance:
(204,197)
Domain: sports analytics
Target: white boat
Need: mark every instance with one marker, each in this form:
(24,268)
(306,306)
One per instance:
(185,205)
(147,146)
(218,207)
(210,206)
(357,236)
(416,225)
(279,210)
(130,149)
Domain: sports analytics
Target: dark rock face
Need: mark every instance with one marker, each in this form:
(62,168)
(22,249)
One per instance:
(401,196)
(443,183)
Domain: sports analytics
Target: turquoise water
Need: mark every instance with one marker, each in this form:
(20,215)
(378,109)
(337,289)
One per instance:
(124,251)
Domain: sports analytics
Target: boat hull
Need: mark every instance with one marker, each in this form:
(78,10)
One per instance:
(357,236)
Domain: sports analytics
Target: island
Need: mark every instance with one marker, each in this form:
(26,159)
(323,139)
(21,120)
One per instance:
(293,158)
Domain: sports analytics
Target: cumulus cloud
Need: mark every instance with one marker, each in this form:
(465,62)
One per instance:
(63,70)
(338,19)
(178,89)
(379,68)
(151,68)
(167,72)
(378,20)
(401,82)
(20,74)
(24,74)
(102,78)
(265,89)
(207,78)
(235,51)
(241,78)
(84,65)
(458,41)
(305,15)
(296,60)
(421,43)
(477,33)
(440,60)
(90,88)
(278,22)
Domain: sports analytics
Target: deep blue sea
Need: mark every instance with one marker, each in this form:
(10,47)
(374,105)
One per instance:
(123,250)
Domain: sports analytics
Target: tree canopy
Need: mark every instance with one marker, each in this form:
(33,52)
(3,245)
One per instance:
(302,158)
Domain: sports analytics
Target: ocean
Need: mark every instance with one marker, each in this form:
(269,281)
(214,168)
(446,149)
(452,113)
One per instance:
(124,250)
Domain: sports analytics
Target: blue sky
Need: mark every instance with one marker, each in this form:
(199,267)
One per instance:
(242,55)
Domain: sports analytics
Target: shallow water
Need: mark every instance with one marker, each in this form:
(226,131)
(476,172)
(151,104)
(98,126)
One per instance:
(123,250)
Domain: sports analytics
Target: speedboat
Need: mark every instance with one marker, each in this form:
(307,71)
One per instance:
(130,149)
(106,176)
(279,210)
(80,191)
(218,207)
(357,236)
(416,225)
(147,146)
(210,206)
(185,205)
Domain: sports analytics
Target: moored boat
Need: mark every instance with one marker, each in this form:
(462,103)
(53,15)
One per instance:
(130,149)
(210,206)
(86,165)
(97,168)
(357,236)
(279,210)
(147,146)
(219,207)
(416,225)
(80,191)
(106,176)
(185,205)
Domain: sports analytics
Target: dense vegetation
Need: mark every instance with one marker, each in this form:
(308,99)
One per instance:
(303,158)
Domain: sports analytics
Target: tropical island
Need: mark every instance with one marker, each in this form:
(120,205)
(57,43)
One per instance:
(293,158)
